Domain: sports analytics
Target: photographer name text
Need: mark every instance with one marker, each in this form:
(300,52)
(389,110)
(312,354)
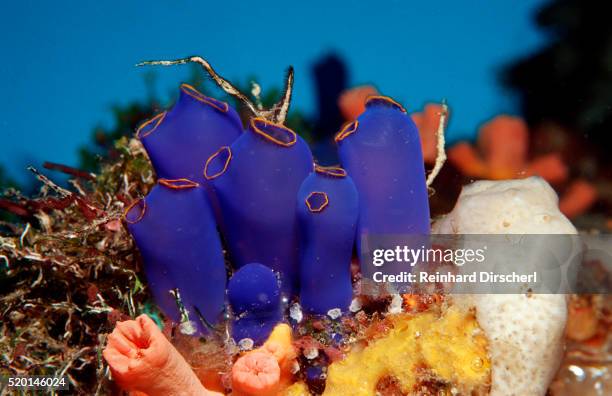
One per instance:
(449,277)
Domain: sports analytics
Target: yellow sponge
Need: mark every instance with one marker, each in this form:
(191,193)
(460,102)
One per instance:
(448,349)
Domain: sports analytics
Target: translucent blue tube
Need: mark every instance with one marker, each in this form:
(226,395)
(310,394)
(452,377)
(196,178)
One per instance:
(180,140)
(254,295)
(256,181)
(327,209)
(176,234)
(381,151)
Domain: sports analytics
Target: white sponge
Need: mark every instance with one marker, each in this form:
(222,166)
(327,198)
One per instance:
(525,332)
(525,206)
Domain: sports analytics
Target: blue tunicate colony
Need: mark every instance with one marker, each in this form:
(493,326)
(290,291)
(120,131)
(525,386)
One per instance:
(289,226)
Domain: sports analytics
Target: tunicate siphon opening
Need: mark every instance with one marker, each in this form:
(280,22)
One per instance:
(148,127)
(317,201)
(385,101)
(194,93)
(217,163)
(275,133)
(330,171)
(178,184)
(135,212)
(346,131)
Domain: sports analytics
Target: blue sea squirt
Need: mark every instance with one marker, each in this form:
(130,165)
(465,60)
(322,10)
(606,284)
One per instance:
(256,181)
(254,295)
(176,234)
(381,151)
(178,141)
(327,211)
